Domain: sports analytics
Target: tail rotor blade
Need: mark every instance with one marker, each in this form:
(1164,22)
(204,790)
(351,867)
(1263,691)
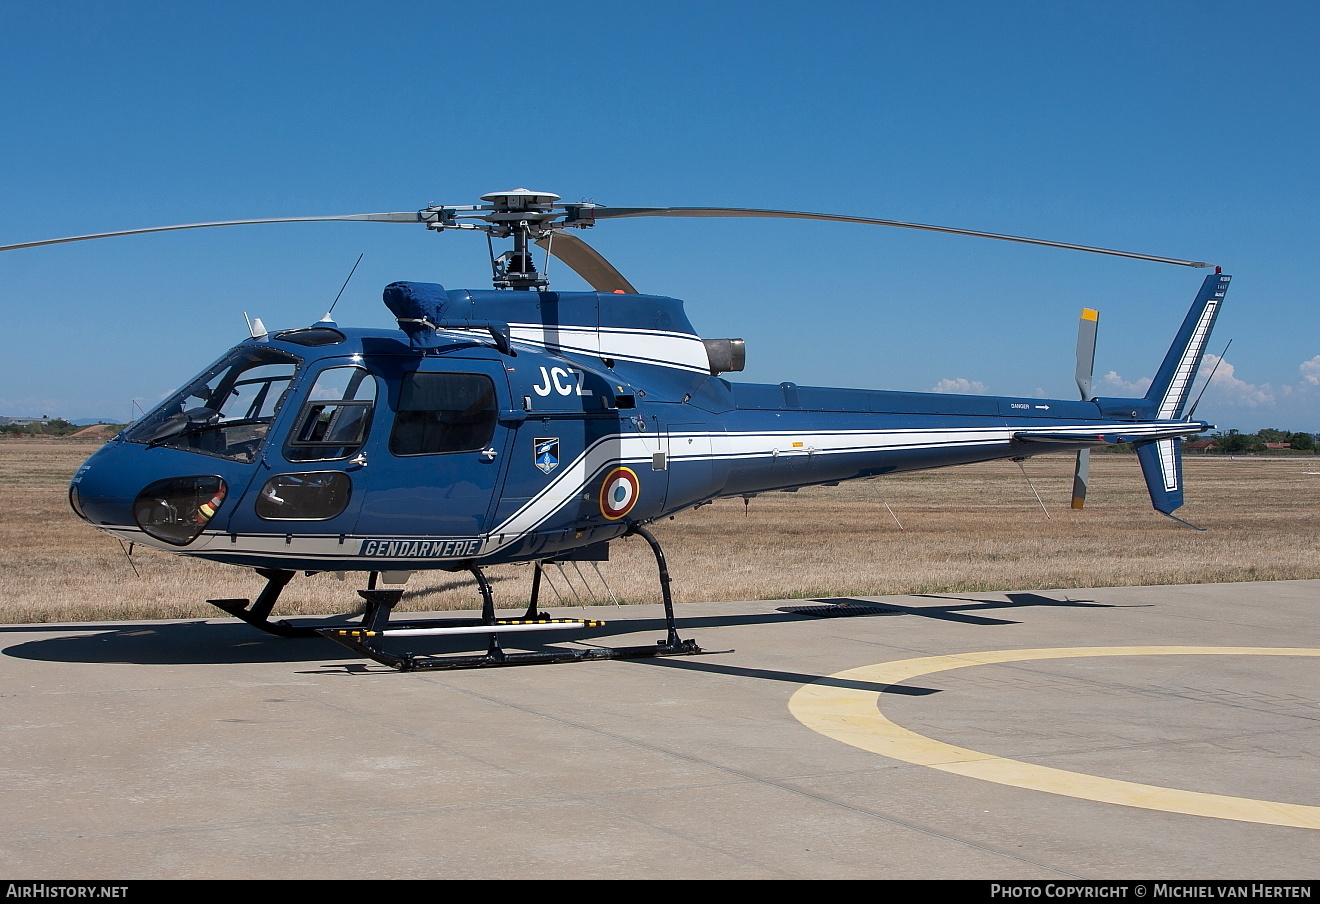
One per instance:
(1086,334)
(1081,475)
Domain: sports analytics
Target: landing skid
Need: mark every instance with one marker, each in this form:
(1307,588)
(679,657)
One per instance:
(257,614)
(365,639)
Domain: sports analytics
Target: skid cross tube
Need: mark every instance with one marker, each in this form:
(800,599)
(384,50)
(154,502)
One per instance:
(532,610)
(672,639)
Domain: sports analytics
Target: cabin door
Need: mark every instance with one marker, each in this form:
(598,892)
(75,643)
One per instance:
(309,482)
(437,462)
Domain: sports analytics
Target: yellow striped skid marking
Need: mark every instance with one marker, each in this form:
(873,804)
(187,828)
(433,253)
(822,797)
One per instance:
(852,716)
(500,627)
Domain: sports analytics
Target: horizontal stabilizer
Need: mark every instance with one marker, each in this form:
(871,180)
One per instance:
(1109,439)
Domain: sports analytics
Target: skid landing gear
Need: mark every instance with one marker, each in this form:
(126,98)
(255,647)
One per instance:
(258,614)
(366,638)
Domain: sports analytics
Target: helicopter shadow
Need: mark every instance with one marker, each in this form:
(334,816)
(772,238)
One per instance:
(966,614)
(209,642)
(794,678)
(834,607)
(198,642)
(176,643)
(215,643)
(860,608)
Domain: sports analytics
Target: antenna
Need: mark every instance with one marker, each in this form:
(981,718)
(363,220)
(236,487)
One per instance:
(256,329)
(1023,469)
(342,288)
(1218,361)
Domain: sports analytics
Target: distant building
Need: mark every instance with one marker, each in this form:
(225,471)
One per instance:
(23,421)
(1274,446)
(1199,445)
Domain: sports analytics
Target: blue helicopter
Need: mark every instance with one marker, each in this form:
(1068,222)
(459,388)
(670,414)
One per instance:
(520,424)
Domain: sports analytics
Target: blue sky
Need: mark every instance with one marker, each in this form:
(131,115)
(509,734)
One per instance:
(1180,129)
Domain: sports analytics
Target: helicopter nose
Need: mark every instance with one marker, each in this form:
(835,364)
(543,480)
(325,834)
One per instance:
(126,486)
(122,486)
(102,490)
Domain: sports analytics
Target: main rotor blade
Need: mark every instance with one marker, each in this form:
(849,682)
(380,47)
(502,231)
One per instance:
(586,262)
(407,216)
(603,213)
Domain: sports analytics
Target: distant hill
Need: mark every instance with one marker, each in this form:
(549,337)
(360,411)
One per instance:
(95,431)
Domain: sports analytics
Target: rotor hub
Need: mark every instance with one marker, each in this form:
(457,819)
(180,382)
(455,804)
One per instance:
(522,200)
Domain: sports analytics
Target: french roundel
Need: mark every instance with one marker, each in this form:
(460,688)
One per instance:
(618,494)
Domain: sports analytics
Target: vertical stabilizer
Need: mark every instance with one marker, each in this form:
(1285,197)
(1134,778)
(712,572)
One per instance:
(1173,381)
(1161,459)
(1161,465)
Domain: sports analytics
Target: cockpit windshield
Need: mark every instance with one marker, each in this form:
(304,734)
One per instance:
(225,412)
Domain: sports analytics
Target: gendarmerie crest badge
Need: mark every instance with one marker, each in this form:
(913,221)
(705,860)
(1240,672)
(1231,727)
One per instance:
(545,453)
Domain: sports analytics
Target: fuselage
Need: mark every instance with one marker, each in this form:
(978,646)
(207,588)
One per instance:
(331,449)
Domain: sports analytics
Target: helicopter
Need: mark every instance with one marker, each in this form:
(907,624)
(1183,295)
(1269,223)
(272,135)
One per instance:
(523,425)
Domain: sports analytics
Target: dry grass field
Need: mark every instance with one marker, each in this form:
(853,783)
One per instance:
(970,529)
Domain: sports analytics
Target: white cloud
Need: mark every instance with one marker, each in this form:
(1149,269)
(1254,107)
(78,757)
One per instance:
(1235,401)
(961,385)
(1112,384)
(1310,371)
(1226,387)
(30,407)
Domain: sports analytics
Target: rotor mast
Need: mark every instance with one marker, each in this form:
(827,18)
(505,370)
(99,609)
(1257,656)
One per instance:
(524,216)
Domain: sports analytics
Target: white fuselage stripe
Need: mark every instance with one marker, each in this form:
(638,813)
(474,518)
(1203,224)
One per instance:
(659,347)
(630,449)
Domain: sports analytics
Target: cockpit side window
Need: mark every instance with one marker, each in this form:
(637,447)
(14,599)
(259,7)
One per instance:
(444,412)
(336,416)
(225,412)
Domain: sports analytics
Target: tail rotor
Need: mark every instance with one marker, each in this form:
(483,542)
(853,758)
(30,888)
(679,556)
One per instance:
(1086,333)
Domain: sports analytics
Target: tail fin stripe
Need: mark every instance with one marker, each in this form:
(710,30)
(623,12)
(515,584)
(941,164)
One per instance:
(1176,395)
(1168,464)
(1173,382)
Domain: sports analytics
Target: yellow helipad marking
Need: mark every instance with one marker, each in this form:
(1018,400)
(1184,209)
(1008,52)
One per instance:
(853,716)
